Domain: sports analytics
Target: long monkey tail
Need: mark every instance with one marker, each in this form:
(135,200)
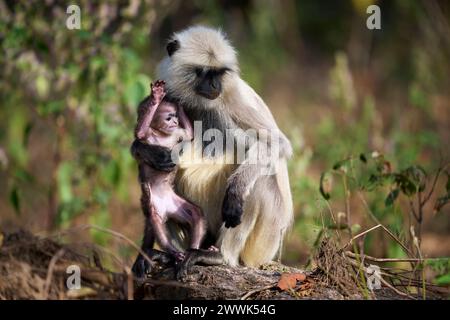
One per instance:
(274,202)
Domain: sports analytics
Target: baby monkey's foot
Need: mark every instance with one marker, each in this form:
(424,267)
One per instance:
(158,90)
(210,257)
(179,256)
(142,266)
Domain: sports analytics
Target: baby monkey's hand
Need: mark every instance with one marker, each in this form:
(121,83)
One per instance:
(158,91)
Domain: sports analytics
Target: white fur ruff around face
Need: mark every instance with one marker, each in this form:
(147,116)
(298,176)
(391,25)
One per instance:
(198,47)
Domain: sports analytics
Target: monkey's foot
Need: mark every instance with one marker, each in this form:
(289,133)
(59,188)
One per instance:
(179,256)
(142,266)
(213,248)
(198,256)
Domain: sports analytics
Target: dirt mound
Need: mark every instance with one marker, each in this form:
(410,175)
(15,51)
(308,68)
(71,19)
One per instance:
(36,268)
(33,267)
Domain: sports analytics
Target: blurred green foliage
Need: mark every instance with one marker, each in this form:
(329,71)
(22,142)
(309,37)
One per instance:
(69,97)
(442,269)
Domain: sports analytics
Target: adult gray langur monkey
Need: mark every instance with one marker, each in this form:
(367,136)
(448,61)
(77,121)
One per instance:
(248,211)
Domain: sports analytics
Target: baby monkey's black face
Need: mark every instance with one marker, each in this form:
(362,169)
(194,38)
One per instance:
(209,81)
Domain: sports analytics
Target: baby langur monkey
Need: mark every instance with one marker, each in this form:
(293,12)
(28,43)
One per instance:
(163,123)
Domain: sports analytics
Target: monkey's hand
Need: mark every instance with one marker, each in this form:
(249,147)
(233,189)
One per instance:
(157,157)
(158,91)
(232,207)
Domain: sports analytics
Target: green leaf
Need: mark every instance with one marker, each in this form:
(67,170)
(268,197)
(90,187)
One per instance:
(441,202)
(355,228)
(363,158)
(443,280)
(440,266)
(51,107)
(84,34)
(101,197)
(23,176)
(68,210)
(42,86)
(340,163)
(417,176)
(371,183)
(26,133)
(133,93)
(323,187)
(97,62)
(14,199)
(144,81)
(16,127)
(406,185)
(112,172)
(395,251)
(137,90)
(418,97)
(101,219)
(64,175)
(392,196)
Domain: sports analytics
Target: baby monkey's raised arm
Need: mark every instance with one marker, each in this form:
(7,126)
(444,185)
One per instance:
(147,110)
(162,122)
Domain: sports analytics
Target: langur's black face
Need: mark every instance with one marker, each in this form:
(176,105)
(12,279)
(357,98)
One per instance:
(209,81)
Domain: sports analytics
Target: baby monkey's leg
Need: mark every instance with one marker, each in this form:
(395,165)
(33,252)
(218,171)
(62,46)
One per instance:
(154,220)
(193,215)
(196,221)
(158,221)
(142,266)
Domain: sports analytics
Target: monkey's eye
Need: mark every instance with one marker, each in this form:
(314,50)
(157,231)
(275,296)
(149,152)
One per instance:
(198,71)
(222,71)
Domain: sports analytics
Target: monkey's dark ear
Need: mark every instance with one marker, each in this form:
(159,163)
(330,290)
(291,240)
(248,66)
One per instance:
(172,46)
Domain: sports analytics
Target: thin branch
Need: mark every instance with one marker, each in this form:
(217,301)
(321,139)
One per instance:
(413,210)
(367,207)
(51,267)
(353,255)
(397,240)
(387,284)
(433,185)
(130,285)
(111,232)
(360,235)
(400,277)
(115,258)
(251,292)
